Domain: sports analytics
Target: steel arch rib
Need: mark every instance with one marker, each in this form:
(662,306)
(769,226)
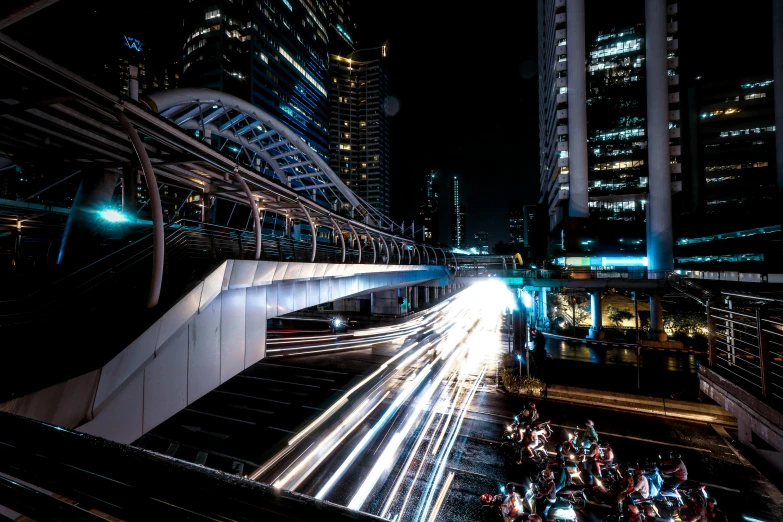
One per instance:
(372,242)
(342,239)
(386,247)
(163,100)
(358,241)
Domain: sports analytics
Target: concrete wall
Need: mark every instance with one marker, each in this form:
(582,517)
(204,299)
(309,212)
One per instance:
(217,330)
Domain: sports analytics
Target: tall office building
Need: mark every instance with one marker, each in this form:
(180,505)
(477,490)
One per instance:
(272,54)
(458,226)
(481,242)
(516,222)
(428,211)
(358,126)
(341,27)
(608,132)
(737,219)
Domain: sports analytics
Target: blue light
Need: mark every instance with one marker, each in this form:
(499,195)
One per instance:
(519,357)
(112,216)
(527,299)
(134,44)
(618,261)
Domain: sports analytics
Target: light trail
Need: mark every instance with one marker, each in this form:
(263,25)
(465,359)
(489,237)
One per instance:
(406,391)
(404,458)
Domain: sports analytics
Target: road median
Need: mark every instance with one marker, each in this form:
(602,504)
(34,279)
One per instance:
(686,410)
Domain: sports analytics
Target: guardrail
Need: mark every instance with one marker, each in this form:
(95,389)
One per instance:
(746,342)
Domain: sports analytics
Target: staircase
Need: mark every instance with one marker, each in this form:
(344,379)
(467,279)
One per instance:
(689,288)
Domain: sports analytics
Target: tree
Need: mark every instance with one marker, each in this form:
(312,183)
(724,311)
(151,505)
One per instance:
(617,315)
(562,306)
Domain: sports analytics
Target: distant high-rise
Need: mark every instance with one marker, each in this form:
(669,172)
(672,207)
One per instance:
(341,27)
(458,228)
(358,126)
(609,132)
(429,208)
(481,242)
(516,222)
(272,54)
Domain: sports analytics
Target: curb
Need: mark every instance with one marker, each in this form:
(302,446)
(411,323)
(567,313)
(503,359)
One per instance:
(602,342)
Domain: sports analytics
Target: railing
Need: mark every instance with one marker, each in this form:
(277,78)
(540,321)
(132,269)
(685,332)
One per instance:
(746,342)
(70,325)
(566,273)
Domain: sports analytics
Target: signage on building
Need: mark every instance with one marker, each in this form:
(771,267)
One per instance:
(134,44)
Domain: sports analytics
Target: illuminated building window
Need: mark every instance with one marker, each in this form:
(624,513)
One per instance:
(755,95)
(215,13)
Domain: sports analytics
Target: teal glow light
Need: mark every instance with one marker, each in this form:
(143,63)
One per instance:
(113,216)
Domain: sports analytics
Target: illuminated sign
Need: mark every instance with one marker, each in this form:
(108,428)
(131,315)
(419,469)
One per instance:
(618,261)
(134,44)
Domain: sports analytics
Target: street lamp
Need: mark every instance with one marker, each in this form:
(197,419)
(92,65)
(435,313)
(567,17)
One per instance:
(519,358)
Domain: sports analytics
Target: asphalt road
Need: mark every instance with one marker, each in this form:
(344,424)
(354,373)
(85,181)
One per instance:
(416,441)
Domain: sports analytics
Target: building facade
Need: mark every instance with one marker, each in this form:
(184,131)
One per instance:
(737,222)
(481,242)
(458,225)
(516,222)
(594,126)
(272,54)
(359,128)
(428,211)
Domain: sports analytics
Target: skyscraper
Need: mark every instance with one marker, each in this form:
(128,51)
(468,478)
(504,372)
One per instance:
(481,242)
(272,54)
(458,228)
(516,222)
(358,126)
(428,211)
(609,133)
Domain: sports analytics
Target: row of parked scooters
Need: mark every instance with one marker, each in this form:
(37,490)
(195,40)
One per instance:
(556,484)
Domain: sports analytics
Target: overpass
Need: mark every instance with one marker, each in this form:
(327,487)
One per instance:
(115,345)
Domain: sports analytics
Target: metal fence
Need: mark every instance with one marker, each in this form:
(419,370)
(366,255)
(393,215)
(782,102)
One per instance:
(746,342)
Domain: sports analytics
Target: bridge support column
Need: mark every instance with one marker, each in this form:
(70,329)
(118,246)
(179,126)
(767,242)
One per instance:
(596,314)
(415,297)
(660,242)
(435,292)
(385,302)
(657,332)
(543,316)
(426,294)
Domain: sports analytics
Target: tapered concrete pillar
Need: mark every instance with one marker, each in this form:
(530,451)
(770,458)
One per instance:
(596,314)
(777,64)
(415,297)
(435,291)
(657,332)
(426,295)
(577,109)
(660,242)
(544,315)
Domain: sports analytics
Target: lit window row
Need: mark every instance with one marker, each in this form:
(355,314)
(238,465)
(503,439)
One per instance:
(619,135)
(618,48)
(755,95)
(209,15)
(756,130)
(303,71)
(616,165)
(720,112)
(757,84)
(718,168)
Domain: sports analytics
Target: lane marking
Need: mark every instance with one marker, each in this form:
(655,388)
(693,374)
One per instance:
(219,416)
(301,368)
(281,382)
(723,434)
(466,472)
(251,397)
(441,497)
(703,450)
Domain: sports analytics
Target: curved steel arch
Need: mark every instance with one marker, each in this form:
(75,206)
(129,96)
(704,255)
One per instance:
(260,136)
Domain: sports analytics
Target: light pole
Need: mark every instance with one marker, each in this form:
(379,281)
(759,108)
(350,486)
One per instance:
(638,346)
(519,358)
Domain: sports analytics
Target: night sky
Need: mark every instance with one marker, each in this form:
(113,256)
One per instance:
(466,82)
